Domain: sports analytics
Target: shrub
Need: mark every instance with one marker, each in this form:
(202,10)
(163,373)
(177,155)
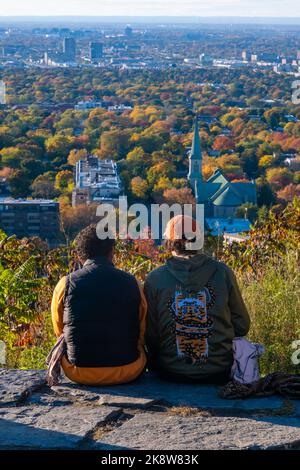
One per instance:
(273,302)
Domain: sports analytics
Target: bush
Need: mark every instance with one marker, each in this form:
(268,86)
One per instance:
(273,302)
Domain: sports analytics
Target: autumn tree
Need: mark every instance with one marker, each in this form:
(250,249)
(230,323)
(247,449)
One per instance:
(273,116)
(279,177)
(59,145)
(77,154)
(223,143)
(64,181)
(43,186)
(10,157)
(160,169)
(139,187)
(160,186)
(266,161)
(74,219)
(179,196)
(114,144)
(288,193)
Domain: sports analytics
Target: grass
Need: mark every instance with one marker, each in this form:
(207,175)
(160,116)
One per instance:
(31,356)
(273,302)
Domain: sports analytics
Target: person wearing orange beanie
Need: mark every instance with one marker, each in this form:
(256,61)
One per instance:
(195,309)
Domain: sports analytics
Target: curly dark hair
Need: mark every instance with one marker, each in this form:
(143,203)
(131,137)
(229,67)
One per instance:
(179,246)
(88,246)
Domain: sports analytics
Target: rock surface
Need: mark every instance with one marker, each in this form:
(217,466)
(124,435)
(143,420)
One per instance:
(49,428)
(202,433)
(147,414)
(149,389)
(16,384)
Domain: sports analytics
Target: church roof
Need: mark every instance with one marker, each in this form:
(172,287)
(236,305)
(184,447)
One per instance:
(217,190)
(248,190)
(196,153)
(228,197)
(218,177)
(225,193)
(205,191)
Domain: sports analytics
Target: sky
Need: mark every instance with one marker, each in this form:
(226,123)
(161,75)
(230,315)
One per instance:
(250,8)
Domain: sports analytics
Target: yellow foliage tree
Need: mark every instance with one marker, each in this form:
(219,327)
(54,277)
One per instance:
(139,187)
(75,155)
(266,161)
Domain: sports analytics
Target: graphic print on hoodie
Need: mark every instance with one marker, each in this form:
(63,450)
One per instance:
(192,325)
(224,306)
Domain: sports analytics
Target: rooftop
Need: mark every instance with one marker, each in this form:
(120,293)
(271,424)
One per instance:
(96,173)
(219,225)
(10,200)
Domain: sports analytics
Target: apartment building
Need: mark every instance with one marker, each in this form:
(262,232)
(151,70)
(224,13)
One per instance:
(30,217)
(96,181)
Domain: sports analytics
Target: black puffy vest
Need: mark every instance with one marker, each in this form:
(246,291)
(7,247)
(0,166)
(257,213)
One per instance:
(101,315)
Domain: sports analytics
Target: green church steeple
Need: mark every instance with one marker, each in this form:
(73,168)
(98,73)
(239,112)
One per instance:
(196,153)
(195,158)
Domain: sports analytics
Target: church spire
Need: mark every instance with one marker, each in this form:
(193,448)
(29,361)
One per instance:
(196,153)
(195,158)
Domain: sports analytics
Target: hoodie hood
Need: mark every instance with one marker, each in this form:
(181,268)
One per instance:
(192,272)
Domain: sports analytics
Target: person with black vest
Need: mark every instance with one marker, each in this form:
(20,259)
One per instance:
(101,312)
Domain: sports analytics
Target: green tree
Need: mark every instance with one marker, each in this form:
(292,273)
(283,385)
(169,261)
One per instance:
(248,210)
(19,183)
(11,157)
(265,195)
(43,186)
(114,144)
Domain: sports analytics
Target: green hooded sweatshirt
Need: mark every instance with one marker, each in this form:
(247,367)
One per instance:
(195,309)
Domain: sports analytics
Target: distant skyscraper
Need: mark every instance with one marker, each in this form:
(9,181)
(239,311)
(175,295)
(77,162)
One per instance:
(245,55)
(96,51)
(69,49)
(2,92)
(205,59)
(128,31)
(46,58)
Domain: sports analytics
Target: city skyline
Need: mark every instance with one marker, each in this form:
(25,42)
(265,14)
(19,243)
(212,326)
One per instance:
(212,8)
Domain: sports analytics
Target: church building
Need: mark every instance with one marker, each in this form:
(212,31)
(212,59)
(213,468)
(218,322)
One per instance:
(220,197)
